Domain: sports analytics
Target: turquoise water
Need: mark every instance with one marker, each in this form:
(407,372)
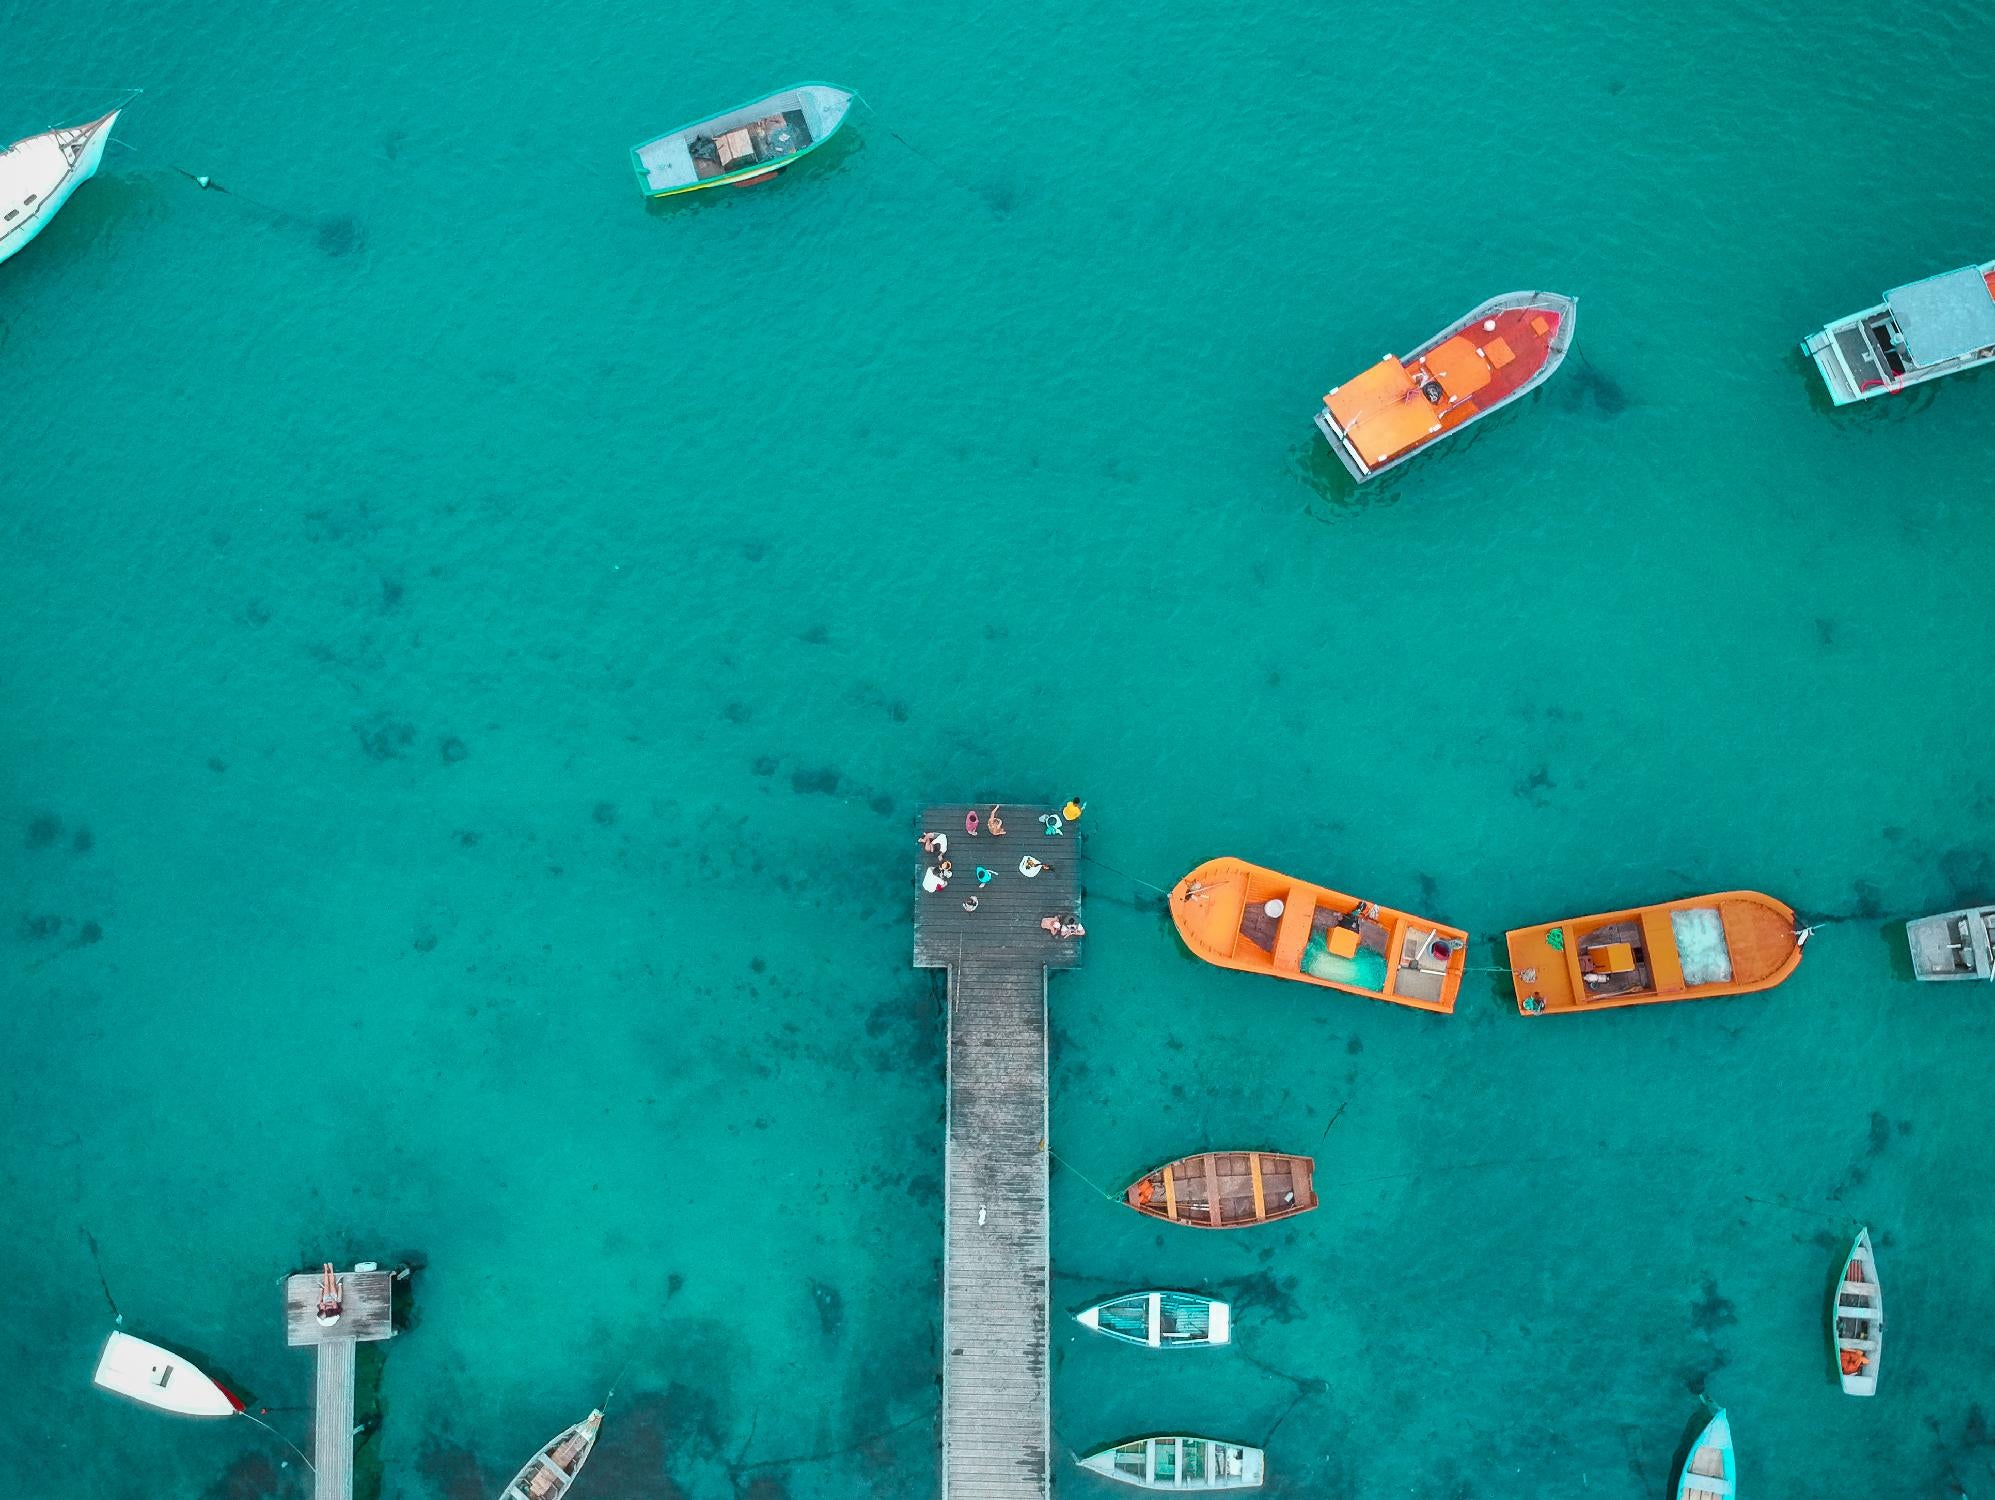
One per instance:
(475,646)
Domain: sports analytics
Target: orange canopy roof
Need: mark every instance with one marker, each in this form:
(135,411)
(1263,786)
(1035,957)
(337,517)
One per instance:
(1459,366)
(1383,411)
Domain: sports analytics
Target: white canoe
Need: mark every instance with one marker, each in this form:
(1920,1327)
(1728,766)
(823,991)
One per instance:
(161,1378)
(549,1472)
(38,174)
(1180,1463)
(1856,1320)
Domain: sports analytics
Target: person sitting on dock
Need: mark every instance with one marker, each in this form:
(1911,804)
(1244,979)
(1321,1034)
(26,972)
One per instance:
(994,824)
(1030,867)
(1052,824)
(935,843)
(1073,810)
(933,880)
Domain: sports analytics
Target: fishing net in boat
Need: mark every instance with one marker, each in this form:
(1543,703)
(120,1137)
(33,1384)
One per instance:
(1365,969)
(1700,945)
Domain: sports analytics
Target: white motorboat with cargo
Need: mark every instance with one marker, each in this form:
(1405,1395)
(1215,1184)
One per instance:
(1919,332)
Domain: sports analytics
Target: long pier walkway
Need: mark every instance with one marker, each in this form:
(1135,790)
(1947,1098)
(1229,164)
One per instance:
(366,1314)
(995,1407)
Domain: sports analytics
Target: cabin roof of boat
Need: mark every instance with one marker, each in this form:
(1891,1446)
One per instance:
(1944,317)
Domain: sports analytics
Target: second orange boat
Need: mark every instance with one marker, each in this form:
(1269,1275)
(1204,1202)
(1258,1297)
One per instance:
(1242,916)
(1703,946)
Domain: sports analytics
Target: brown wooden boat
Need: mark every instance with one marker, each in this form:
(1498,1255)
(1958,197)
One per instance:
(1226,1189)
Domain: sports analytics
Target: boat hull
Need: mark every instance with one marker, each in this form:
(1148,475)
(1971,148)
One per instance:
(662,163)
(1180,1463)
(1953,945)
(1855,366)
(160,1378)
(1222,913)
(1710,1471)
(1161,1320)
(1699,948)
(1856,1320)
(550,1472)
(50,167)
(1402,417)
(1226,1189)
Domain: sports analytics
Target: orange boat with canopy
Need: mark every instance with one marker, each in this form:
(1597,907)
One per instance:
(1242,916)
(1505,349)
(1734,943)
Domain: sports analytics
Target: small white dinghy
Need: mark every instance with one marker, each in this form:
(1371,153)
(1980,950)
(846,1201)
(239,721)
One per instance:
(1161,1320)
(1180,1463)
(38,174)
(161,1378)
(1711,1471)
(1856,1320)
(549,1472)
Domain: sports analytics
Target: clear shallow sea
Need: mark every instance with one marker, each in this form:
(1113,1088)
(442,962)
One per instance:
(473,647)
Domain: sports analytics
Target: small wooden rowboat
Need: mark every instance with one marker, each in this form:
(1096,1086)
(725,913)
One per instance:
(743,145)
(549,1472)
(161,1378)
(1497,354)
(1181,1463)
(1226,1189)
(1244,916)
(1161,1320)
(1856,1320)
(1734,943)
(1709,1473)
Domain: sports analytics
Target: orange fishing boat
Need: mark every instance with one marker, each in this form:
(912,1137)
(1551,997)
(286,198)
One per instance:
(1226,1189)
(1703,946)
(1503,350)
(1242,916)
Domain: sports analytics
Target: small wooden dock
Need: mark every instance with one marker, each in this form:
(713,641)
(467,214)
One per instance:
(366,1315)
(995,1408)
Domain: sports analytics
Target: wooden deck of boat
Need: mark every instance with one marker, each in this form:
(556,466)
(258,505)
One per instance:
(368,1315)
(995,1276)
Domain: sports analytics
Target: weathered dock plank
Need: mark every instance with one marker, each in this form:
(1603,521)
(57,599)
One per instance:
(332,1422)
(995,1391)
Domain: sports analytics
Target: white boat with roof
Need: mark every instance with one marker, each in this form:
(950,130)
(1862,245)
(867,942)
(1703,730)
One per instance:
(747,144)
(1919,332)
(1161,1320)
(38,174)
(159,1377)
(1180,1463)
(1954,944)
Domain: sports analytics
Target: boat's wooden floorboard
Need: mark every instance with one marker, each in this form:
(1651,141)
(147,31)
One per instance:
(995,1416)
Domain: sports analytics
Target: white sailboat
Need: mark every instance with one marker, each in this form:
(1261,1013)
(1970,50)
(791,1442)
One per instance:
(161,1378)
(38,174)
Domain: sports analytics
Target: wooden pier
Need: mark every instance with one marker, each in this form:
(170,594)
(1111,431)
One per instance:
(366,1315)
(995,1407)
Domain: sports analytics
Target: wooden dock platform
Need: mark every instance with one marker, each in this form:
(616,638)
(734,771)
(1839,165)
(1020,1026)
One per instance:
(995,1393)
(367,1315)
